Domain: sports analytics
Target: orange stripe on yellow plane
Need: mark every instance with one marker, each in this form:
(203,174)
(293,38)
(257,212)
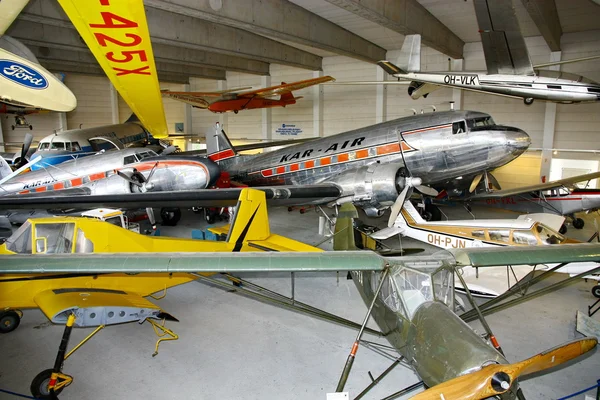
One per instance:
(116,31)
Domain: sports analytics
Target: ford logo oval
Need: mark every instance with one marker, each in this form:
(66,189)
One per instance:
(22,74)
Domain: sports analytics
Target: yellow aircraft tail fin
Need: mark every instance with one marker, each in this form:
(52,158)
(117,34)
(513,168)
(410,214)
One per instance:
(251,221)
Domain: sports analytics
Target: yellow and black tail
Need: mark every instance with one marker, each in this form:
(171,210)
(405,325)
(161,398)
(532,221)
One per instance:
(250,221)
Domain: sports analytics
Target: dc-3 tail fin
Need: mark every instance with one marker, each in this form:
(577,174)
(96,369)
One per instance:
(218,146)
(251,221)
(343,238)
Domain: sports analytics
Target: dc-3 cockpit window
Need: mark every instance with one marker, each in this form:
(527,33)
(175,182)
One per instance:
(54,238)
(44,146)
(137,157)
(459,127)
(549,236)
(481,122)
(20,241)
(57,146)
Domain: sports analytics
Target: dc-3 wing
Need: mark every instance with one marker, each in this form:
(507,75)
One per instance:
(107,263)
(536,188)
(80,198)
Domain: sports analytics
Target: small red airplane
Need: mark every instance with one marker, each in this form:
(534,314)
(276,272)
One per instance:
(233,100)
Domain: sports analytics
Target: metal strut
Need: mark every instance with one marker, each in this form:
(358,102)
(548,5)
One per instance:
(281,300)
(352,355)
(379,378)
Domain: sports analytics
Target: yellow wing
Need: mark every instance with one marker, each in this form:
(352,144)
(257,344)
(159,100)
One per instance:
(116,31)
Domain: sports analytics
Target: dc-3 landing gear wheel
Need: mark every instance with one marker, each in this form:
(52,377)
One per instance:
(528,101)
(9,320)
(578,223)
(170,216)
(432,213)
(39,385)
(596,291)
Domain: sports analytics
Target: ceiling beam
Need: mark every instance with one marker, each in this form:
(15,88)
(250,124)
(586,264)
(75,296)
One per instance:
(94,69)
(545,16)
(64,38)
(279,19)
(173,29)
(407,17)
(74,57)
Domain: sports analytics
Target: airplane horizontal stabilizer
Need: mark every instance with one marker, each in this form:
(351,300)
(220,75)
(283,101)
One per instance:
(390,68)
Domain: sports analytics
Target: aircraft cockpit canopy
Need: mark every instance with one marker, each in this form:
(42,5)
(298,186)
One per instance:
(49,238)
(407,288)
(480,123)
(139,156)
(548,235)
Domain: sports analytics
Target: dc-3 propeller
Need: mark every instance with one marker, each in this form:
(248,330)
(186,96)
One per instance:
(496,379)
(409,182)
(139,180)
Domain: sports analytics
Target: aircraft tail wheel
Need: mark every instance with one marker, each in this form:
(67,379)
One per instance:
(578,223)
(210,217)
(563,229)
(596,291)
(9,321)
(235,111)
(39,386)
(528,101)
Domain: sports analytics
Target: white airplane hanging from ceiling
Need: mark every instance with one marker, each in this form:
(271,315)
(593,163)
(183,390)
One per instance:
(509,69)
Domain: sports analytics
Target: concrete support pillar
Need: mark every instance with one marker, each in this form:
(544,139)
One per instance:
(457,94)
(222,119)
(114,104)
(62,122)
(381,98)
(2,148)
(318,91)
(187,127)
(549,125)
(266,113)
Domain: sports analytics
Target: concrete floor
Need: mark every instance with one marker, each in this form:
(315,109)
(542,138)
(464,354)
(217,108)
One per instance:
(234,347)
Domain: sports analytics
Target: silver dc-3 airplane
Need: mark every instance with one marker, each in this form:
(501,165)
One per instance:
(527,230)
(509,69)
(373,167)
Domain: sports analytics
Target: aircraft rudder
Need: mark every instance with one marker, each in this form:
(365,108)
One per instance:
(250,220)
(218,146)
(410,54)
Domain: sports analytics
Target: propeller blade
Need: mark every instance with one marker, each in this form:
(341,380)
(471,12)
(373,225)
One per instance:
(497,378)
(475,182)
(397,207)
(494,181)
(151,172)
(25,148)
(426,190)
(128,179)
(151,218)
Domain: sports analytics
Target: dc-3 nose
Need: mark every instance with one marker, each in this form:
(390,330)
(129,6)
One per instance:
(517,140)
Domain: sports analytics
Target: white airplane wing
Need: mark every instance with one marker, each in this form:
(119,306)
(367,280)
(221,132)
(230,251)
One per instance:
(503,44)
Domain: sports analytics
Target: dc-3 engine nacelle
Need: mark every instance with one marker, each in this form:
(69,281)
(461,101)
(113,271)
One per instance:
(372,187)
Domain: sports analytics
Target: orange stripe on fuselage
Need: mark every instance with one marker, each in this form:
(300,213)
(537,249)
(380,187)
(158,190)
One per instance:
(388,148)
(222,155)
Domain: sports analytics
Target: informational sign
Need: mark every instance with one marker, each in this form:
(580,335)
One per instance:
(179,127)
(288,130)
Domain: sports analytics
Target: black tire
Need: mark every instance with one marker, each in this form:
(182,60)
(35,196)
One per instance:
(528,101)
(436,214)
(210,217)
(30,127)
(39,385)
(197,210)
(596,291)
(170,216)
(9,321)
(563,229)
(578,223)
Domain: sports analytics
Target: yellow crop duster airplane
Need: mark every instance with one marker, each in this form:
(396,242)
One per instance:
(86,300)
